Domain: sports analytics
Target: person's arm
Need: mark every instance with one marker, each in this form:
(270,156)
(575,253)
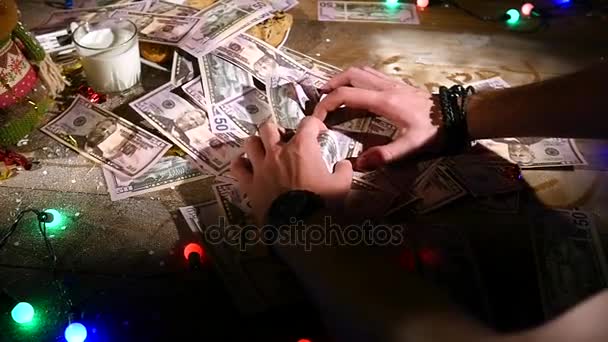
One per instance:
(362,292)
(568,106)
(571,106)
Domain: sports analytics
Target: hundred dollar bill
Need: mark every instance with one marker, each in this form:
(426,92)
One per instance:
(187,127)
(247,112)
(194,89)
(221,21)
(371,12)
(168,172)
(63,19)
(536,152)
(106,138)
(158,28)
(569,256)
(182,69)
(258,58)
(336,146)
(222,80)
(173,9)
(318,69)
(437,190)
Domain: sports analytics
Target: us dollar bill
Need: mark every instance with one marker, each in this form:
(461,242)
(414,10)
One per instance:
(287,99)
(187,127)
(436,190)
(182,69)
(170,8)
(569,257)
(158,28)
(530,152)
(336,146)
(234,204)
(321,70)
(221,21)
(371,125)
(194,89)
(105,138)
(257,58)
(246,112)
(283,5)
(168,172)
(483,177)
(222,80)
(62,19)
(371,12)
(204,218)
(489,84)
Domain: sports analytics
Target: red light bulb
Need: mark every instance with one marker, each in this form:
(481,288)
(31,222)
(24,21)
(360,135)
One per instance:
(422,3)
(526,9)
(304,340)
(193,248)
(430,256)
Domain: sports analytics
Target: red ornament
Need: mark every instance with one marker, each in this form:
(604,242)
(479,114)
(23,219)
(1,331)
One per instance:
(91,94)
(14,158)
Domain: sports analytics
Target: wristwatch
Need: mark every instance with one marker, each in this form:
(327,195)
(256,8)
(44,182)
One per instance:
(293,206)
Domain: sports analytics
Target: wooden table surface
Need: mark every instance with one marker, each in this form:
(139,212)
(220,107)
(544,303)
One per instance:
(144,235)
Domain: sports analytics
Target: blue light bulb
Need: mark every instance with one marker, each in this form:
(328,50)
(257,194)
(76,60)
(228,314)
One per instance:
(23,313)
(75,332)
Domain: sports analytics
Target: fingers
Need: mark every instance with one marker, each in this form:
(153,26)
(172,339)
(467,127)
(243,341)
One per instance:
(357,78)
(343,170)
(309,128)
(269,133)
(377,156)
(255,151)
(383,75)
(240,168)
(356,98)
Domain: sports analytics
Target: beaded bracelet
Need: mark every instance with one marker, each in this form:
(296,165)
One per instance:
(453,103)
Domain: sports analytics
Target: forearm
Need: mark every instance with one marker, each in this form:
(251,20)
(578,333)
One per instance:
(569,106)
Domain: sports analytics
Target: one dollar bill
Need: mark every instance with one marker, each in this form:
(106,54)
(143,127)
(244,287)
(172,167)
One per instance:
(106,138)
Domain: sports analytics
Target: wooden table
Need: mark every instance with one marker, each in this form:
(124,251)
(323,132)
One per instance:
(144,235)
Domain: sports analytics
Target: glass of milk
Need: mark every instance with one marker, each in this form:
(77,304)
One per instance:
(109,51)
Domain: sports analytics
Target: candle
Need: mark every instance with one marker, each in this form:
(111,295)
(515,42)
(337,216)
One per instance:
(110,54)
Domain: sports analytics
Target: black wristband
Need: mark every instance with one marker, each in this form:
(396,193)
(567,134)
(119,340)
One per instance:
(294,205)
(453,107)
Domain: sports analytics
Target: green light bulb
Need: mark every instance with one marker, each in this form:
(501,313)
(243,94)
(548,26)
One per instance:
(57,218)
(23,313)
(392,3)
(513,16)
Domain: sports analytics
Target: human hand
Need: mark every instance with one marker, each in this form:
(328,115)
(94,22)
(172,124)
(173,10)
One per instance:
(274,167)
(409,108)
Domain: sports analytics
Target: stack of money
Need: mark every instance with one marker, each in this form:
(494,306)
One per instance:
(224,83)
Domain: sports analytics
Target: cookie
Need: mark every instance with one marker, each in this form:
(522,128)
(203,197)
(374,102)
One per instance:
(155,52)
(273,31)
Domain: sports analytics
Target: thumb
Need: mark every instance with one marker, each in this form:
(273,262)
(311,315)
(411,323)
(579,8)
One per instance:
(343,170)
(377,156)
